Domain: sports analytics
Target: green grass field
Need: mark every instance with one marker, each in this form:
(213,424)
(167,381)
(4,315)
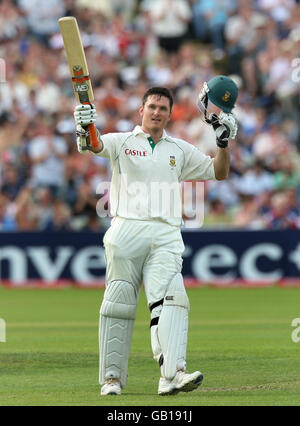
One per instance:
(239,338)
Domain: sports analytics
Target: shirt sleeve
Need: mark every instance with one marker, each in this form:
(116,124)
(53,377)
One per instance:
(197,166)
(111,145)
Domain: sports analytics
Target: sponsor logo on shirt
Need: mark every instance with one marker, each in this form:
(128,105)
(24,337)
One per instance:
(135,153)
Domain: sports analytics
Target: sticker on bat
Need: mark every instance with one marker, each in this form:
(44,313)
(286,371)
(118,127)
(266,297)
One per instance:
(81,87)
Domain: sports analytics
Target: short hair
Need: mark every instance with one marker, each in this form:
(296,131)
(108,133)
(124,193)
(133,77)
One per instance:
(159,91)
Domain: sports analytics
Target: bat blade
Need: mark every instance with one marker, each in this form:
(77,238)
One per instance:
(78,66)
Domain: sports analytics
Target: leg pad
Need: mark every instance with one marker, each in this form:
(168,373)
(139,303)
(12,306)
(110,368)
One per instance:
(117,315)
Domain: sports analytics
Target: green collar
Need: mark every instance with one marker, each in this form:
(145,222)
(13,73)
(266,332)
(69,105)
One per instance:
(152,143)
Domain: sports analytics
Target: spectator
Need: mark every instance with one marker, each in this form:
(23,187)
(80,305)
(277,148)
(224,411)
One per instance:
(42,16)
(217,216)
(209,21)
(279,10)
(60,219)
(272,142)
(44,201)
(184,110)
(286,177)
(170,22)
(11,182)
(85,205)
(47,153)
(27,215)
(255,181)
(7,220)
(282,215)
(11,22)
(235,32)
(246,213)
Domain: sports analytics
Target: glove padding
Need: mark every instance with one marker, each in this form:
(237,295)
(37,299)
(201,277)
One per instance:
(221,130)
(83,139)
(85,114)
(225,125)
(230,122)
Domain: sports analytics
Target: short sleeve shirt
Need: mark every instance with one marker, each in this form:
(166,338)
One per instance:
(146,177)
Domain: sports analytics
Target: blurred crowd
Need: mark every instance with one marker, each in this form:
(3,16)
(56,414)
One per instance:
(45,184)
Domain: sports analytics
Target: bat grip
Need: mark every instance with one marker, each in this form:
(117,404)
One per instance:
(93,135)
(92,131)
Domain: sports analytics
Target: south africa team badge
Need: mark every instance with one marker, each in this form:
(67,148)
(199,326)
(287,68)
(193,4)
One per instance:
(172,161)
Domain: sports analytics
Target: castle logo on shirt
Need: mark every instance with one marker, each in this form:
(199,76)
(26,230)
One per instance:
(172,161)
(135,153)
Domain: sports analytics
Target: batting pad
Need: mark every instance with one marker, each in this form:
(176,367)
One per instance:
(173,328)
(117,315)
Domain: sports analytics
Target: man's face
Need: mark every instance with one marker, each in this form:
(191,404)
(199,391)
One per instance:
(155,113)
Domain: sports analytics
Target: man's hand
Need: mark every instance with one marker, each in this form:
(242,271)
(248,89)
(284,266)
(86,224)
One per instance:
(221,130)
(82,139)
(84,115)
(225,125)
(230,122)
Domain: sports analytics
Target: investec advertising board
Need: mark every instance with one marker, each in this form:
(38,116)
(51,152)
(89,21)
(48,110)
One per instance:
(214,258)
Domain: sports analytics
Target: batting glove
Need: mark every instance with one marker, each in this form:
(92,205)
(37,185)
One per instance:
(83,140)
(229,121)
(221,130)
(85,114)
(225,125)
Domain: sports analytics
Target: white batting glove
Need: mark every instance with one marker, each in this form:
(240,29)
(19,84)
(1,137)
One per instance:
(85,114)
(82,139)
(230,121)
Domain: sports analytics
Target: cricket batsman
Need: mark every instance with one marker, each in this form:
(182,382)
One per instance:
(144,242)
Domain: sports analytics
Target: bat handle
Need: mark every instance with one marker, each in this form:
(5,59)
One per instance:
(92,131)
(93,135)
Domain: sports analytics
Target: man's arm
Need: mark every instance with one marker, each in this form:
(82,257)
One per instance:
(222,163)
(225,127)
(107,145)
(99,147)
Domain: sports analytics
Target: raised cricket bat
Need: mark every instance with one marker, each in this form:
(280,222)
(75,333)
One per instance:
(78,67)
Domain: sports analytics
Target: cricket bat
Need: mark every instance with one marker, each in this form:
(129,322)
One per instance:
(78,67)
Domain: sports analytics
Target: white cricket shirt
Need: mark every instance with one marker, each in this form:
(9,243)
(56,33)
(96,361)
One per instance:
(146,177)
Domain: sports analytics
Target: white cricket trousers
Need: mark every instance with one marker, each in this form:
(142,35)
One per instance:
(142,251)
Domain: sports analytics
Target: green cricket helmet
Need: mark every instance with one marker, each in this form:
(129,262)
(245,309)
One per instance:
(222,91)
